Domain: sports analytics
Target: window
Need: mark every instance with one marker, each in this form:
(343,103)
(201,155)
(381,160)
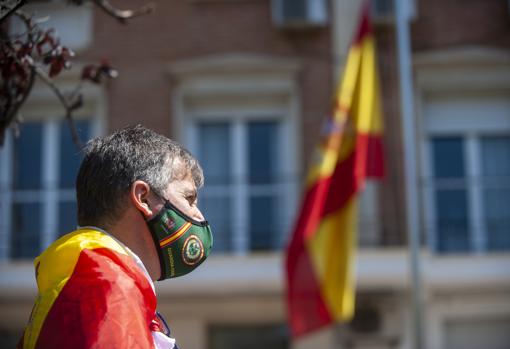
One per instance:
(248,337)
(478,332)
(239,115)
(37,177)
(245,195)
(495,186)
(450,194)
(72,23)
(469,167)
(299,13)
(453,185)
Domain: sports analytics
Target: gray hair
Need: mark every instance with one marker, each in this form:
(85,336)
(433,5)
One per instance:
(112,163)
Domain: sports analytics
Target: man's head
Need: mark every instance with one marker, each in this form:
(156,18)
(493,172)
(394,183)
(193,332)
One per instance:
(112,164)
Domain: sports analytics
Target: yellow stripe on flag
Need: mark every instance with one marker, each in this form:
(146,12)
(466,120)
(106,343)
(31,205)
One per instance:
(368,115)
(331,251)
(359,83)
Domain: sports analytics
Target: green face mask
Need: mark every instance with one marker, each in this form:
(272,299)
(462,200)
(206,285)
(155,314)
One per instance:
(182,242)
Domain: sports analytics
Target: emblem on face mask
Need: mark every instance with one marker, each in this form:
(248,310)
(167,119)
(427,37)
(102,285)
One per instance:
(192,250)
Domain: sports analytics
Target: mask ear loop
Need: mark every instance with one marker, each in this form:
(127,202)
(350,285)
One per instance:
(157,215)
(155,239)
(172,207)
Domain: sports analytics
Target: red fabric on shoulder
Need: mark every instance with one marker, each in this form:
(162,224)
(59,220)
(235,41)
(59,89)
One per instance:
(107,303)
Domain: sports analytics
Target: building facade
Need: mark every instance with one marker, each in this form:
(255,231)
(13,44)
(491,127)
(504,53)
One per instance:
(245,85)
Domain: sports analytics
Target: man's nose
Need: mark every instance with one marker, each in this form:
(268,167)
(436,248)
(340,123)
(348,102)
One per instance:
(198,216)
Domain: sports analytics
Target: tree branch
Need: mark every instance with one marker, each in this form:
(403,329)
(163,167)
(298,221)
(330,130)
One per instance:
(70,103)
(123,15)
(20,60)
(13,101)
(10,116)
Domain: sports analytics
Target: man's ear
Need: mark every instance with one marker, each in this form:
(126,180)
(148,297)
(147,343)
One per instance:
(139,195)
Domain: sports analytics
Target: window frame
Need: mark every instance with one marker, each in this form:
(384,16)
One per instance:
(239,86)
(463,72)
(477,230)
(239,204)
(49,195)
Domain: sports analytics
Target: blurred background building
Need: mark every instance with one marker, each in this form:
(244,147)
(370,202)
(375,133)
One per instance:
(245,85)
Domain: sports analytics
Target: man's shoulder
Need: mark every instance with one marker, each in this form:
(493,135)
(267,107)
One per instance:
(90,288)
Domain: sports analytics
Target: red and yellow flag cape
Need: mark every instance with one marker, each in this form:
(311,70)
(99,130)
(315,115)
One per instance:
(92,294)
(320,286)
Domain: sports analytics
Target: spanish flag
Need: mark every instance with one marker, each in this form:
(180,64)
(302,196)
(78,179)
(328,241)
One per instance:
(91,294)
(320,276)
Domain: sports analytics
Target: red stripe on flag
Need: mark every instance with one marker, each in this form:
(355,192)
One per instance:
(365,27)
(375,157)
(331,193)
(311,211)
(305,302)
(349,175)
(106,303)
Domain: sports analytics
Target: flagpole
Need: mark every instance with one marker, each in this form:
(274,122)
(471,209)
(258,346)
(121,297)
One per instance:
(411,185)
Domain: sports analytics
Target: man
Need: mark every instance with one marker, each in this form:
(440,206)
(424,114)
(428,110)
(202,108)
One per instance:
(138,222)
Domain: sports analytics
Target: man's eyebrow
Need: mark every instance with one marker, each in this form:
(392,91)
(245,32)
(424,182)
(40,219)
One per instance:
(190,191)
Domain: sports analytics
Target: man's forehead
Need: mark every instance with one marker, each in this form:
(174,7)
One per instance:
(182,181)
(187,184)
